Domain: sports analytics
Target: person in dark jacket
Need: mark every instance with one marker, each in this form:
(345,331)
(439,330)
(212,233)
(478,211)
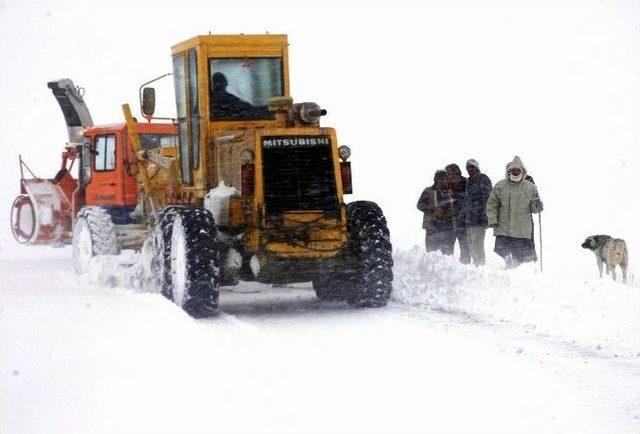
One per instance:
(225,105)
(436,203)
(457,184)
(473,216)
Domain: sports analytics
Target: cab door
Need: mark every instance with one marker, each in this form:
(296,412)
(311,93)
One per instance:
(105,186)
(185,72)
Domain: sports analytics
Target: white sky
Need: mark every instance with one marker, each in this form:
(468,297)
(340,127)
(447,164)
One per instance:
(409,89)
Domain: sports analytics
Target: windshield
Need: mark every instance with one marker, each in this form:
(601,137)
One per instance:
(151,141)
(240,89)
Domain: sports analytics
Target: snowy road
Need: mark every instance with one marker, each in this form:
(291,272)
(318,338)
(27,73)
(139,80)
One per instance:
(104,360)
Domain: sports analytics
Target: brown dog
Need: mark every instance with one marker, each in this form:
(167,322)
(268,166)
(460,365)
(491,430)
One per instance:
(611,252)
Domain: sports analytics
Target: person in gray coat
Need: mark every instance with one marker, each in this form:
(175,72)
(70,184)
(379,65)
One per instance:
(509,209)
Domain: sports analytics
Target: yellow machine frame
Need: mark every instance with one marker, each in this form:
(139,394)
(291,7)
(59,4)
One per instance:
(230,46)
(325,236)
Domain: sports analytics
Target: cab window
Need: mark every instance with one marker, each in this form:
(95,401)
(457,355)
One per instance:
(87,157)
(179,80)
(152,141)
(194,110)
(105,153)
(239,89)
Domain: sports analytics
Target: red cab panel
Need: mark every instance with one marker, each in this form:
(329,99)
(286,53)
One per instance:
(108,179)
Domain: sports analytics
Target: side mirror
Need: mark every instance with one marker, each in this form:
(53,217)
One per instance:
(148,102)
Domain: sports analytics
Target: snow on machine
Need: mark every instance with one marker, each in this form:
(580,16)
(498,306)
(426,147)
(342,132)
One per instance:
(244,185)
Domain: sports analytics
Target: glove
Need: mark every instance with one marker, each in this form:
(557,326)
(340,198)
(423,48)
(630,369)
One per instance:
(536,206)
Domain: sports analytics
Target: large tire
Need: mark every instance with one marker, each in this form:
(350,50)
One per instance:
(149,271)
(191,259)
(370,245)
(164,228)
(93,234)
(330,287)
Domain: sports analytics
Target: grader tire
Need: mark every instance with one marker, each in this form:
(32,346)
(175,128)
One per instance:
(191,260)
(370,245)
(164,228)
(329,288)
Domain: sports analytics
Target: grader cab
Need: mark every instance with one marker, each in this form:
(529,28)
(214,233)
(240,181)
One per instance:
(256,188)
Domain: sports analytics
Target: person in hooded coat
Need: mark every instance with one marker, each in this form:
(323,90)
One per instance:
(509,209)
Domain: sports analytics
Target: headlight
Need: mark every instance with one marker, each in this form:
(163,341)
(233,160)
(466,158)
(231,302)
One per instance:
(344,152)
(246,155)
(310,112)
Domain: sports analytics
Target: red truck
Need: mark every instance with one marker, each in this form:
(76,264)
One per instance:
(44,211)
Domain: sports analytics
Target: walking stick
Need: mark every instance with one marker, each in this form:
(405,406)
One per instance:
(540,234)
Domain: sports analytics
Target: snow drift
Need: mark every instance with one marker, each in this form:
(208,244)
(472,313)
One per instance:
(587,311)
(574,306)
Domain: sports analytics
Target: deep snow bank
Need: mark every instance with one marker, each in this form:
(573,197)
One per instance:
(590,312)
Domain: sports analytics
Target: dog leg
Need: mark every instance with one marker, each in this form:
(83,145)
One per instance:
(624,265)
(612,270)
(599,265)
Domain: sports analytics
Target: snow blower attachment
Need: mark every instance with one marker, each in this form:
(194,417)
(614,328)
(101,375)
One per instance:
(47,209)
(245,185)
(43,213)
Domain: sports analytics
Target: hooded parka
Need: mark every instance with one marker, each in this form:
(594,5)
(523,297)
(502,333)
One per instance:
(511,204)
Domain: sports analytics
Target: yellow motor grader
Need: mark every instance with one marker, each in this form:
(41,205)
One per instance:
(255,189)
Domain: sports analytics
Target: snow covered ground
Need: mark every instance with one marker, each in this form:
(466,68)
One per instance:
(458,349)
(564,303)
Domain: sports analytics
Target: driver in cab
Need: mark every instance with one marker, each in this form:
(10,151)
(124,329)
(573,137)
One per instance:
(225,105)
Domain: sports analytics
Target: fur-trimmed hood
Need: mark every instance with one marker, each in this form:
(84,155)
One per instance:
(516,162)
